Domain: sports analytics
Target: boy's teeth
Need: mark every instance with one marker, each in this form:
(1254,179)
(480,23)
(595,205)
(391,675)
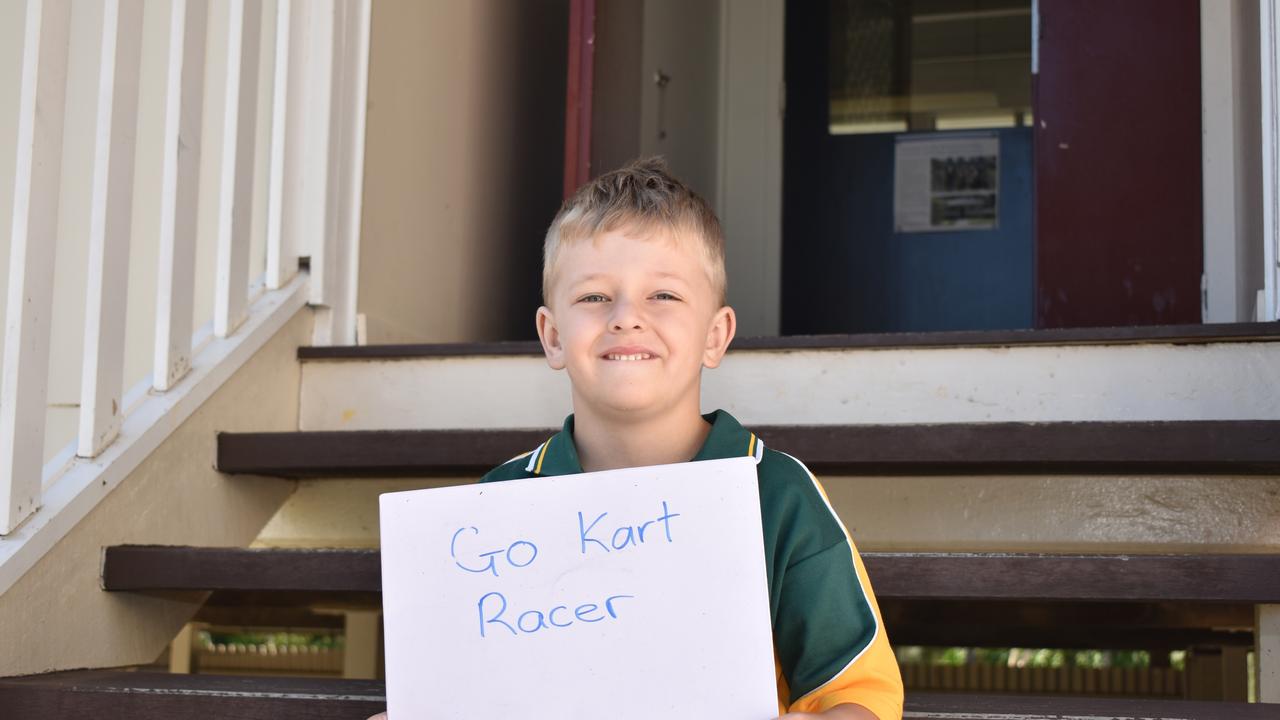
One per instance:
(637,356)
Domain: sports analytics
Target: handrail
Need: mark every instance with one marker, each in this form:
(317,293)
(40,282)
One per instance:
(196,147)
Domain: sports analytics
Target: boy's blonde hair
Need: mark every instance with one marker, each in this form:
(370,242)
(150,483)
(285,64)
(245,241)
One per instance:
(641,197)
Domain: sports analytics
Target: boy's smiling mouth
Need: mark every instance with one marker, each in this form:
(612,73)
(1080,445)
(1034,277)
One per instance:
(628,354)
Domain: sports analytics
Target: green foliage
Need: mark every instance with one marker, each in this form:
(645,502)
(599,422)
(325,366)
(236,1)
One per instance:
(325,640)
(1032,657)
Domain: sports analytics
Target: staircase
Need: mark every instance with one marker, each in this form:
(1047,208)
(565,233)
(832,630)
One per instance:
(1077,489)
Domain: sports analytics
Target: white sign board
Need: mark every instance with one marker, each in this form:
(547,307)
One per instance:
(944,183)
(637,593)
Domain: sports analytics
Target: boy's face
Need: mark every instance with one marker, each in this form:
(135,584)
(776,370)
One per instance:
(634,321)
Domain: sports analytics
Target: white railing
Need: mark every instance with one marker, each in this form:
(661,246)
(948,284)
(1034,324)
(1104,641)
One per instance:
(1269,42)
(216,154)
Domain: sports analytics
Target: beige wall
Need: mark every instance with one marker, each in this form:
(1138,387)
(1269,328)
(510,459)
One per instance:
(463,162)
(57,617)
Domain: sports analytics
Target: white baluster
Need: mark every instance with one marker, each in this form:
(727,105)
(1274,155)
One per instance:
(32,239)
(176,182)
(115,112)
(238,96)
(282,254)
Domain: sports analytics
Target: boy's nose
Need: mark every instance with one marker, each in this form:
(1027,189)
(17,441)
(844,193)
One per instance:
(626,316)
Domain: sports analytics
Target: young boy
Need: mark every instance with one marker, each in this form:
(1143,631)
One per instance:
(634,285)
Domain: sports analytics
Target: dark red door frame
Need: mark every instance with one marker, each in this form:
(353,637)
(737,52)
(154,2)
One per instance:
(1119,237)
(577,115)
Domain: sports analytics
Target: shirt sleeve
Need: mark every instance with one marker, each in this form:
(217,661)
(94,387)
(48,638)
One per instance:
(831,642)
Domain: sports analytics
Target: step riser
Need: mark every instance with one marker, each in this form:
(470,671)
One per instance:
(983,513)
(943,385)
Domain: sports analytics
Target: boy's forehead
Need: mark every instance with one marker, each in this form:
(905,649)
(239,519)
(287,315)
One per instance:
(660,255)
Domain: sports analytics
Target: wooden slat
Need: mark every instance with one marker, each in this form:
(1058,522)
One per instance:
(110,694)
(375,452)
(1237,447)
(107,695)
(153,567)
(968,576)
(1007,576)
(32,241)
(282,257)
(177,185)
(1158,334)
(972,706)
(114,107)
(238,96)
(1149,626)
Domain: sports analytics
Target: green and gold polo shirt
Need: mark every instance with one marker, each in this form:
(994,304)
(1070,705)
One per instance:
(829,641)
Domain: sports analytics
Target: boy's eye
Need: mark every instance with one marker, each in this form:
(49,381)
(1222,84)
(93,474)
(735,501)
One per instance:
(593,298)
(664,296)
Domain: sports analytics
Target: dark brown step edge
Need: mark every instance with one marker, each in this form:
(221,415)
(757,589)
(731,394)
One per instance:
(1154,334)
(956,576)
(1232,447)
(111,694)
(154,696)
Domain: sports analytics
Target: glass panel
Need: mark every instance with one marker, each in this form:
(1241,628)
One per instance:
(900,65)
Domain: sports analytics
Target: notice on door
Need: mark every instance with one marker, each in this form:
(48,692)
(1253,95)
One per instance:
(627,594)
(946,183)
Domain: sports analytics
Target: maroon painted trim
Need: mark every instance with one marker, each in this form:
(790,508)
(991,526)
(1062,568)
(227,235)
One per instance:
(578,95)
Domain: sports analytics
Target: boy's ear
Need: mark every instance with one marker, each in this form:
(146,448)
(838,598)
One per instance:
(723,325)
(550,338)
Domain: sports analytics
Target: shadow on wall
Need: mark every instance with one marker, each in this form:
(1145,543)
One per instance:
(463,165)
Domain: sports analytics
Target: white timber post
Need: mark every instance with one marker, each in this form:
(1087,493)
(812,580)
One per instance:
(282,252)
(32,240)
(1269,53)
(237,96)
(176,182)
(1267,652)
(317,165)
(357,29)
(114,109)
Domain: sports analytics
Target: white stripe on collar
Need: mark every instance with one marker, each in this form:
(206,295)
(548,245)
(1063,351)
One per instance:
(533,458)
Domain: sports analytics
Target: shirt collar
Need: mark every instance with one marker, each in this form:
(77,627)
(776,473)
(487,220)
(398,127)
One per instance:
(559,455)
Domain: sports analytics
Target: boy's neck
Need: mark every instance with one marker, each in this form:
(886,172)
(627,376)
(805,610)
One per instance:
(609,443)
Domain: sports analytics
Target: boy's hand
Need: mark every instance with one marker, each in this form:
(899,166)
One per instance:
(843,711)
(379,716)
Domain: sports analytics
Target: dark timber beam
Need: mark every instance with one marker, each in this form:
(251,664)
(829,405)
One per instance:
(1232,447)
(938,576)
(112,695)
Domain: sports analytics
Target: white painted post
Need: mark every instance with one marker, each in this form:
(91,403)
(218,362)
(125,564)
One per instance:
(1269,54)
(32,239)
(350,158)
(282,254)
(317,164)
(115,111)
(238,97)
(177,186)
(1267,652)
